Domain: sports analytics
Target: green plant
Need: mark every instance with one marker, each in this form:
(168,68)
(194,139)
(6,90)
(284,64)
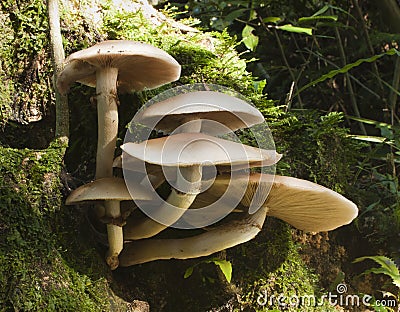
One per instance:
(389,268)
(224,265)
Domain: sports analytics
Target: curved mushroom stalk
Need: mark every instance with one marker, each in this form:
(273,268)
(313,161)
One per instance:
(216,239)
(188,180)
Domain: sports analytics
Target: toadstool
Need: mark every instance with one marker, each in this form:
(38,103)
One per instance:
(188,153)
(193,111)
(111,65)
(303,204)
(113,190)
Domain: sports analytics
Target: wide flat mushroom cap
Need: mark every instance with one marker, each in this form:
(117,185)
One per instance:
(140,65)
(228,110)
(190,149)
(106,189)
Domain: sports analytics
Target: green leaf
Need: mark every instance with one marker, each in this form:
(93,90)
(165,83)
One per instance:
(322,11)
(225,267)
(388,267)
(317,18)
(249,40)
(378,124)
(295,29)
(348,67)
(368,138)
(272,19)
(188,272)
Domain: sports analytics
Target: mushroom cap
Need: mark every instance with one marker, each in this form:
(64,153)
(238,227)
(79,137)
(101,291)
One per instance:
(219,107)
(309,206)
(303,204)
(106,189)
(191,149)
(140,66)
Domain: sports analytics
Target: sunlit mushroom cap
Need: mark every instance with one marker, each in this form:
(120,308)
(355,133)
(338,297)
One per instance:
(224,109)
(303,204)
(190,149)
(140,66)
(106,189)
(309,206)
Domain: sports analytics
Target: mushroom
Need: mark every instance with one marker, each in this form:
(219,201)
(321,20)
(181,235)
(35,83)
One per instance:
(303,204)
(200,111)
(109,65)
(187,153)
(112,190)
(221,237)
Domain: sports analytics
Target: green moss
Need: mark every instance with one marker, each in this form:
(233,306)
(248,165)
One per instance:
(270,267)
(25,69)
(34,273)
(316,147)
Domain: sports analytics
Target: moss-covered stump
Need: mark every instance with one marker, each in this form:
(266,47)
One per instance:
(49,259)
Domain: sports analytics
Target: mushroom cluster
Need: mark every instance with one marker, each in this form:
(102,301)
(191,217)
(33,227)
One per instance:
(111,66)
(207,171)
(194,121)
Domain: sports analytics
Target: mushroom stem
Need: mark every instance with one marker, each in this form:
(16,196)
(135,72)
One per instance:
(114,233)
(107,111)
(188,186)
(190,125)
(216,239)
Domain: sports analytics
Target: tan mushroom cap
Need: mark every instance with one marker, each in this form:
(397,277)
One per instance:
(106,189)
(139,65)
(222,108)
(303,204)
(191,149)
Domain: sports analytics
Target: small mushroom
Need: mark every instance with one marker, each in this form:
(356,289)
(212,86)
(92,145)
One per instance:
(216,239)
(112,65)
(189,153)
(200,111)
(113,190)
